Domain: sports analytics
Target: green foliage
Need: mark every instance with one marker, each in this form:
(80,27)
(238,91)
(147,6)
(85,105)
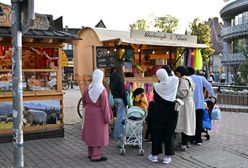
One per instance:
(243,67)
(140,24)
(166,23)
(203,33)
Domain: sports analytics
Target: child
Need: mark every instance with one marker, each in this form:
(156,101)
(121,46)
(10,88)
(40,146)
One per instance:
(139,99)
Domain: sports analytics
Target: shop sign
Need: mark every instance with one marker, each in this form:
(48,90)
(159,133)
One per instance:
(5,16)
(162,37)
(41,21)
(106,57)
(64,58)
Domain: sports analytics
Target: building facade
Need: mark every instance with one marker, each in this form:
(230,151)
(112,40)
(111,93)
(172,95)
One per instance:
(217,45)
(234,34)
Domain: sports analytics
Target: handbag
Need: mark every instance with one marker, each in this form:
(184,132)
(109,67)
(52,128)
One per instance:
(178,104)
(216,113)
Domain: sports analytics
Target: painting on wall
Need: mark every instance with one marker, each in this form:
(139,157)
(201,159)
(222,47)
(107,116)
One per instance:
(39,112)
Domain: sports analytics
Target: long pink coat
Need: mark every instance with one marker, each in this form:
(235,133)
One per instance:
(97,116)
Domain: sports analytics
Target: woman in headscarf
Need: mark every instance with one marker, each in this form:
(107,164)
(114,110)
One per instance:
(98,114)
(186,123)
(164,119)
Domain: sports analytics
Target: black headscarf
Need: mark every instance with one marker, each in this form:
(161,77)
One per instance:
(182,70)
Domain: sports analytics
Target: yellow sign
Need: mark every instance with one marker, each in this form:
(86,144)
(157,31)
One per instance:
(63,58)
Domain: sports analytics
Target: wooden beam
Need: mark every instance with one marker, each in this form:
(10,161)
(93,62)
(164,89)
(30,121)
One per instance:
(28,40)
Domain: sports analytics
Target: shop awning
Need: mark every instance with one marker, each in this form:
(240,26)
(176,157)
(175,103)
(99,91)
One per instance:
(137,41)
(119,37)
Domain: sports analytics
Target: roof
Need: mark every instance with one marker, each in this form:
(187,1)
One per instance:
(53,34)
(106,35)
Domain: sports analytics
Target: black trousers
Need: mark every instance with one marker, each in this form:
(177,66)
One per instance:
(198,131)
(164,134)
(185,139)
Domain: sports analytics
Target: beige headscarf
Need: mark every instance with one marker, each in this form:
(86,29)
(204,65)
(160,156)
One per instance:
(96,87)
(167,87)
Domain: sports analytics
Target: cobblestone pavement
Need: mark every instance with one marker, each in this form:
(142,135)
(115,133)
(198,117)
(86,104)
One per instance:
(228,148)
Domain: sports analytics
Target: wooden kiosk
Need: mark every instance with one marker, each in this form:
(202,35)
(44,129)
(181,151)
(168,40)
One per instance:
(42,78)
(143,52)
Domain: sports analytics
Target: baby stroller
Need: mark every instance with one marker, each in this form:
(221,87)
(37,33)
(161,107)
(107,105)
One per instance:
(133,127)
(207,122)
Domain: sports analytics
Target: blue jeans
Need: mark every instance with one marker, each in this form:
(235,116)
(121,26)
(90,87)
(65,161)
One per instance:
(120,115)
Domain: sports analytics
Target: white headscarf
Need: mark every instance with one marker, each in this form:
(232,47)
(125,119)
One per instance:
(167,87)
(96,87)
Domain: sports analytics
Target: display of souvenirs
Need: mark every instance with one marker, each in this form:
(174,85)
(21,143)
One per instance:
(32,58)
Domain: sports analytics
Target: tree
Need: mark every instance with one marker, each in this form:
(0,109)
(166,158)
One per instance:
(166,23)
(140,24)
(203,33)
(243,66)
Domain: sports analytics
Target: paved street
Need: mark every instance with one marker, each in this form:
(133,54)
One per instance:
(228,148)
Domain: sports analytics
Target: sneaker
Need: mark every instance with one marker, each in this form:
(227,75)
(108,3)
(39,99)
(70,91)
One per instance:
(153,158)
(181,148)
(167,160)
(199,144)
(188,145)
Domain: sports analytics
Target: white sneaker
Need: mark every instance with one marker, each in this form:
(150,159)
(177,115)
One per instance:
(167,160)
(199,144)
(153,158)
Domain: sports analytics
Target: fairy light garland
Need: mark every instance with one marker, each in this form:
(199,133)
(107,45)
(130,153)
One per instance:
(44,53)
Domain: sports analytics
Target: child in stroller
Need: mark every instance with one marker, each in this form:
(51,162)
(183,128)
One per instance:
(206,121)
(133,122)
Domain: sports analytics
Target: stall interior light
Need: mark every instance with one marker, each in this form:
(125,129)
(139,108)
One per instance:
(167,52)
(123,50)
(138,50)
(153,52)
(108,52)
(115,49)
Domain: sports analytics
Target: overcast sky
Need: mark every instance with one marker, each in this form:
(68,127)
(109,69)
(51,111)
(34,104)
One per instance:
(118,14)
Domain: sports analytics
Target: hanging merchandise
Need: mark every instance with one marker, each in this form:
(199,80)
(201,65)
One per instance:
(193,56)
(198,60)
(189,58)
(178,58)
(128,55)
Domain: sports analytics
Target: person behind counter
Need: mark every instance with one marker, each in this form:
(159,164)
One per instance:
(117,88)
(95,132)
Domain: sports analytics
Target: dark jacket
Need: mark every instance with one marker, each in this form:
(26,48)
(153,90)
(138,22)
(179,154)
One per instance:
(117,87)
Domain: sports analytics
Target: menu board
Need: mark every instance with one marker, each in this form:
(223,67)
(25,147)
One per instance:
(106,57)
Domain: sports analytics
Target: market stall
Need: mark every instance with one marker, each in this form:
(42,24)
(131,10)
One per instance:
(142,52)
(41,79)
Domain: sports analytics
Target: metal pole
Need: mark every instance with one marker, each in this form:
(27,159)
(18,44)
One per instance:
(17,83)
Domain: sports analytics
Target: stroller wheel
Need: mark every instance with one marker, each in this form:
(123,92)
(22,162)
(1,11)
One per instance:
(208,137)
(141,152)
(122,151)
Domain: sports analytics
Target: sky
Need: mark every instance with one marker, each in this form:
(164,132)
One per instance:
(118,15)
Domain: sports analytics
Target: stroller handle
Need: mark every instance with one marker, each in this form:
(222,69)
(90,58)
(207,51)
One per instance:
(212,97)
